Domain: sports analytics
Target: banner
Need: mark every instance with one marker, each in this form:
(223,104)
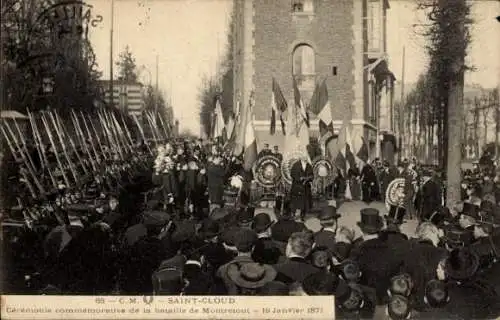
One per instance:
(168,307)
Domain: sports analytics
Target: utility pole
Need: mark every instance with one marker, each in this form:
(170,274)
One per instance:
(156,85)
(402,104)
(111,87)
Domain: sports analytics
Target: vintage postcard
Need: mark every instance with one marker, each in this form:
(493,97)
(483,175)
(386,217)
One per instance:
(250,159)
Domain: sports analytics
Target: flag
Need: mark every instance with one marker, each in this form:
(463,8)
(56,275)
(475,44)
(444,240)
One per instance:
(219,119)
(250,145)
(278,107)
(319,98)
(296,142)
(322,103)
(230,125)
(351,159)
(299,104)
(340,163)
(363,151)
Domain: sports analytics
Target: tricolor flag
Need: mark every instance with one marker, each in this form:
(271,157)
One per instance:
(250,145)
(351,159)
(230,126)
(299,104)
(363,152)
(321,102)
(219,119)
(278,107)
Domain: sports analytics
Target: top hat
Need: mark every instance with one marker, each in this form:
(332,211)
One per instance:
(328,214)
(371,221)
(261,222)
(251,275)
(461,264)
(470,209)
(456,237)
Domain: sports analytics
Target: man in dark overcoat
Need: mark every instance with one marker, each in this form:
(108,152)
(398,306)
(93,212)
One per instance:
(216,174)
(378,259)
(300,192)
(428,198)
(369,184)
(326,236)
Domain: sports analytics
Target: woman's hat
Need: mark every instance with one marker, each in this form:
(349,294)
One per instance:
(371,221)
(461,264)
(251,275)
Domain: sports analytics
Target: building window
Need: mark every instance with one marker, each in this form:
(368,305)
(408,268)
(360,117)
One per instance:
(304,70)
(302,6)
(303,61)
(374,25)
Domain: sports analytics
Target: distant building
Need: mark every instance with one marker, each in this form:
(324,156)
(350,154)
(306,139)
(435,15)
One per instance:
(343,42)
(127,96)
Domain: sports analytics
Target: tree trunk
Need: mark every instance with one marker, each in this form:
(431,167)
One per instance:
(454,114)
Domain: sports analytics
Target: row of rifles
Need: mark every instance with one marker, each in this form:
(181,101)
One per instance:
(67,157)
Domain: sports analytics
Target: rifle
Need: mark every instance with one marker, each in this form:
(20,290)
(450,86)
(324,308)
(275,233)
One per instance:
(52,143)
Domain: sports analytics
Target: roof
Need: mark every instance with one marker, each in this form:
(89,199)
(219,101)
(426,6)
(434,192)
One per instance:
(12,114)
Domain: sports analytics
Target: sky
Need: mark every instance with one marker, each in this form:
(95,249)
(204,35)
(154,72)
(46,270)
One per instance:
(190,36)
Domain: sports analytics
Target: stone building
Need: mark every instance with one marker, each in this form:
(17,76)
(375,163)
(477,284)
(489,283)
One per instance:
(342,41)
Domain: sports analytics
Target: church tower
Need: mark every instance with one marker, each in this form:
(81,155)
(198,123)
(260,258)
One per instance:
(342,41)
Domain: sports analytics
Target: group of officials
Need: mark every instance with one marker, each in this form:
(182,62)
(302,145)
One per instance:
(171,231)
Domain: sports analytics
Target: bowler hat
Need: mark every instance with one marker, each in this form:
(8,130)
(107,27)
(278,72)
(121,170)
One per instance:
(461,264)
(371,221)
(328,214)
(251,275)
(261,222)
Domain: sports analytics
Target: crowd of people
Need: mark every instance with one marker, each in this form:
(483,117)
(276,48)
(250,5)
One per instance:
(173,230)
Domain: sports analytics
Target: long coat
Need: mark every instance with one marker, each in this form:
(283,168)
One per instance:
(423,269)
(300,192)
(369,184)
(216,178)
(428,198)
(379,260)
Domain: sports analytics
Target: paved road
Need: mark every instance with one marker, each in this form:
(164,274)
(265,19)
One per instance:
(350,216)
